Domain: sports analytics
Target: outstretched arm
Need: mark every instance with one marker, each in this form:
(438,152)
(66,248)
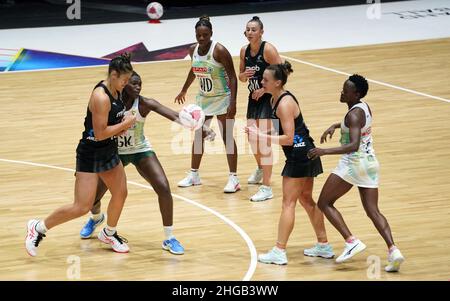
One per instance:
(156,106)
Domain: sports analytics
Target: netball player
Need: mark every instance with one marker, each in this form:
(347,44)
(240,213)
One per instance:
(298,172)
(213,66)
(254,59)
(135,148)
(97,158)
(357,167)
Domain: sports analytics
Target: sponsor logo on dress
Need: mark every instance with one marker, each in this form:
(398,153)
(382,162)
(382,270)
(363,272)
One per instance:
(298,141)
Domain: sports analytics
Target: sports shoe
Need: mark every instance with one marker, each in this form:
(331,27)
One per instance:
(320,250)
(193,178)
(264,193)
(118,243)
(256,176)
(351,249)
(274,256)
(395,259)
(33,237)
(90,226)
(232,185)
(173,246)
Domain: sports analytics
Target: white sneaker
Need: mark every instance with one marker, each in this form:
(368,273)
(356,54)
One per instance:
(118,243)
(33,237)
(395,260)
(320,250)
(193,178)
(256,176)
(232,185)
(351,249)
(274,256)
(264,193)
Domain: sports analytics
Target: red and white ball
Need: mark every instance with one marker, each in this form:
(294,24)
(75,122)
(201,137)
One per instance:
(192,116)
(155,10)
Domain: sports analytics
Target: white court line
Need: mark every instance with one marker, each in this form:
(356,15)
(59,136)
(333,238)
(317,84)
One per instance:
(250,245)
(369,80)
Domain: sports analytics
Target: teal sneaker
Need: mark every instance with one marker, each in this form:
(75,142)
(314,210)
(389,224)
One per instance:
(90,226)
(324,251)
(274,256)
(173,246)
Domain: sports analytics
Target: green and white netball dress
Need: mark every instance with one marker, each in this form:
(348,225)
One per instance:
(359,168)
(214,94)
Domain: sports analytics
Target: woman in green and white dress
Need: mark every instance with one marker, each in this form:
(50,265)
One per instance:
(213,66)
(357,167)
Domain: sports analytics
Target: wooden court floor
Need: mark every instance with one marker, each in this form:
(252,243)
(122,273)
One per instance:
(42,121)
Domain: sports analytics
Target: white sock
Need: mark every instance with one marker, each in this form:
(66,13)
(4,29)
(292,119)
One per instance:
(168,232)
(41,228)
(233,174)
(194,170)
(96,217)
(281,250)
(110,230)
(322,243)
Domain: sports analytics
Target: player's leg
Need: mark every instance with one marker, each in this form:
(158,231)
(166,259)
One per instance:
(97,217)
(264,170)
(151,170)
(333,189)
(322,248)
(193,176)
(85,189)
(226,130)
(291,192)
(116,181)
(369,198)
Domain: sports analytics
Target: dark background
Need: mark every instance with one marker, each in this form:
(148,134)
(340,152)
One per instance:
(24,13)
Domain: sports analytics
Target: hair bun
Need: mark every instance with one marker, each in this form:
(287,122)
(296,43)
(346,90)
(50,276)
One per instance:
(126,56)
(255,18)
(287,66)
(204,17)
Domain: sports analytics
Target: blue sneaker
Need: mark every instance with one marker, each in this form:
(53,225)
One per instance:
(173,246)
(90,226)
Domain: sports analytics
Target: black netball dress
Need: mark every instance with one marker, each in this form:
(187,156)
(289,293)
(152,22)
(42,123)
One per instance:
(257,109)
(298,165)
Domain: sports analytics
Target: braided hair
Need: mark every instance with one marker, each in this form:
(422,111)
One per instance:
(203,21)
(121,64)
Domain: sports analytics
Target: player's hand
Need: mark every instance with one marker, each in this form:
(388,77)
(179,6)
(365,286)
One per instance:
(315,153)
(208,133)
(330,132)
(252,131)
(181,97)
(129,119)
(248,72)
(256,95)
